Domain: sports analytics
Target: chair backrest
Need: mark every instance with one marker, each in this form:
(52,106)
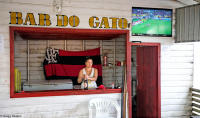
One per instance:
(102,107)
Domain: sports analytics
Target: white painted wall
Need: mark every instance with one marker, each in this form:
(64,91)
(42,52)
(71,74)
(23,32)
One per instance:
(176,79)
(60,106)
(176,60)
(176,66)
(196,80)
(51,107)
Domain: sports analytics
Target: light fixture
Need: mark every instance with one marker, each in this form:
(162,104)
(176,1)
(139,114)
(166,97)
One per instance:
(57,6)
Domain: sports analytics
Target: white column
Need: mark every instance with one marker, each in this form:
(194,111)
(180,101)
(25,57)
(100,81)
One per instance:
(196,71)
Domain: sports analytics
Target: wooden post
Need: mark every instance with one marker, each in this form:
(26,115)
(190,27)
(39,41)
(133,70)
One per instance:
(65,48)
(124,98)
(114,59)
(28,69)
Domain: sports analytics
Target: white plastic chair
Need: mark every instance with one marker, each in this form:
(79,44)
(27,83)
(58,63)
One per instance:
(103,107)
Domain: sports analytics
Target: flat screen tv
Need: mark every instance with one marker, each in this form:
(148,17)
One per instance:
(151,22)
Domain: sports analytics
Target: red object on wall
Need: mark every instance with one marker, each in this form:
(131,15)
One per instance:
(105,60)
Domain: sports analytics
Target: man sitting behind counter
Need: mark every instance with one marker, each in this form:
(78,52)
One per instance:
(88,73)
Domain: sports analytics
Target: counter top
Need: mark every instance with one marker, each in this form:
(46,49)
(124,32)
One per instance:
(65,92)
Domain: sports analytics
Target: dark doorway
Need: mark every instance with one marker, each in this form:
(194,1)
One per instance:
(145,73)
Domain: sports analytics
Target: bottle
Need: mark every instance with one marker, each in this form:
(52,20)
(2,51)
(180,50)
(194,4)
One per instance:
(86,84)
(113,85)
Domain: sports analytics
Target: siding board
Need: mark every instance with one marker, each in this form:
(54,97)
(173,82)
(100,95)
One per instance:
(188,24)
(176,79)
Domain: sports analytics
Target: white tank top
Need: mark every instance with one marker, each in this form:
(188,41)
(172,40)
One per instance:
(91,84)
(91,74)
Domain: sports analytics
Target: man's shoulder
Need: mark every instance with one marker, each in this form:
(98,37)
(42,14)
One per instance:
(82,69)
(95,69)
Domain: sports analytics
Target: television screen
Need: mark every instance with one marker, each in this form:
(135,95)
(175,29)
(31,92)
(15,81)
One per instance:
(151,21)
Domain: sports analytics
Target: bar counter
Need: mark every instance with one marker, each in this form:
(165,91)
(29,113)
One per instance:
(65,92)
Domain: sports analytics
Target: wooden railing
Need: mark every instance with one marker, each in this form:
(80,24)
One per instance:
(195,102)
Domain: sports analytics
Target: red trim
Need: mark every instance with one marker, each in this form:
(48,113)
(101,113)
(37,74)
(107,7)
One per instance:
(81,32)
(144,44)
(90,32)
(128,61)
(12,81)
(128,68)
(159,83)
(67,33)
(65,92)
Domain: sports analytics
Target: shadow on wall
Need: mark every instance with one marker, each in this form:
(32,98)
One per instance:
(81,110)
